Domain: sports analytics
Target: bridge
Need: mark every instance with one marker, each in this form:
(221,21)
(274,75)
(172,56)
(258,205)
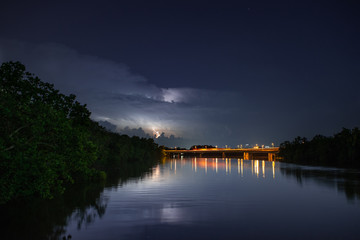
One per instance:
(244,153)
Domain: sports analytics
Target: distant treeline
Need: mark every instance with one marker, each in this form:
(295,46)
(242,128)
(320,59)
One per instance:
(340,150)
(48,141)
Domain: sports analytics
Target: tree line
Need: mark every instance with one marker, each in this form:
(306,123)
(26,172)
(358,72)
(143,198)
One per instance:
(340,150)
(48,141)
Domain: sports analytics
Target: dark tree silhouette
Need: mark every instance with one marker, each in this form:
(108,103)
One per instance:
(48,141)
(340,150)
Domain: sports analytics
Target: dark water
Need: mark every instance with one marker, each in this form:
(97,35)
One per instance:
(202,199)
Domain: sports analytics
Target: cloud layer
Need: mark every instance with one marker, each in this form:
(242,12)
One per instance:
(135,105)
(115,94)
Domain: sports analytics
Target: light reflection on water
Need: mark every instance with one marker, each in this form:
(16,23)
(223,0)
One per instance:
(216,165)
(216,198)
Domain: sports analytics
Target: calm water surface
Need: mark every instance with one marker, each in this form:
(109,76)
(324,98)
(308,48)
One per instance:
(228,198)
(207,199)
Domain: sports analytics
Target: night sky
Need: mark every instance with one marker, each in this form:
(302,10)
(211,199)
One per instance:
(201,72)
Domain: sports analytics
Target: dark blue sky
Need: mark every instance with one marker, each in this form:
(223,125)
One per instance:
(208,72)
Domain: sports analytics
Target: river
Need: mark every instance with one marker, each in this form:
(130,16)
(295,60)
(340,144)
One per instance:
(199,198)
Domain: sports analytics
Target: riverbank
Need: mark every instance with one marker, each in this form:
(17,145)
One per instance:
(48,140)
(37,218)
(341,150)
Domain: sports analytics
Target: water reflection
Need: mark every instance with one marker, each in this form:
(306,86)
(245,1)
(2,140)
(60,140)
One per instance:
(226,164)
(200,198)
(81,204)
(242,167)
(263,168)
(343,180)
(40,219)
(273,169)
(205,165)
(256,167)
(219,165)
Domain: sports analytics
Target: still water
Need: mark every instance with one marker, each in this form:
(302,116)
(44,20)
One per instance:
(199,198)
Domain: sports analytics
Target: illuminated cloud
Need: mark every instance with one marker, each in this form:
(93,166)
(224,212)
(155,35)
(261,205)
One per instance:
(258,113)
(179,95)
(112,92)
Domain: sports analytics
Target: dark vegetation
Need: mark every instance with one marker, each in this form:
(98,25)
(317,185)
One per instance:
(201,147)
(340,150)
(48,141)
(83,202)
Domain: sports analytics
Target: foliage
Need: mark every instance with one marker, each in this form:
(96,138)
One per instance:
(341,150)
(47,139)
(201,146)
(83,202)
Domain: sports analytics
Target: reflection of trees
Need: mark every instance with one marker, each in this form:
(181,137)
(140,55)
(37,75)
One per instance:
(93,208)
(344,181)
(341,150)
(47,219)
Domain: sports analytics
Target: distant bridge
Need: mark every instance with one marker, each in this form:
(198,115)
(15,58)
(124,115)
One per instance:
(244,153)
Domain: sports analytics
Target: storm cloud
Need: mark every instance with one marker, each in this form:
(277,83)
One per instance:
(186,116)
(115,94)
